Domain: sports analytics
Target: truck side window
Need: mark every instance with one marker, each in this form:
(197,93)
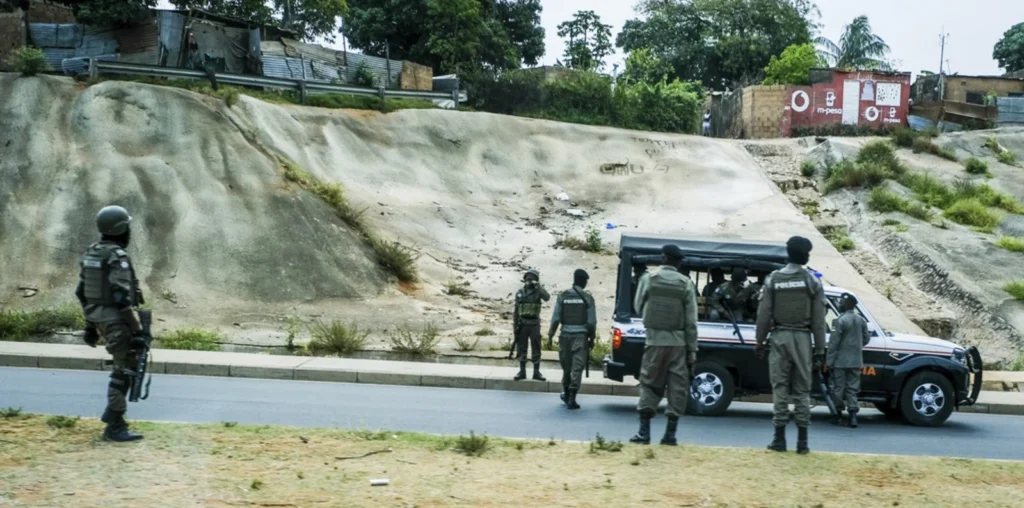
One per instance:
(831,313)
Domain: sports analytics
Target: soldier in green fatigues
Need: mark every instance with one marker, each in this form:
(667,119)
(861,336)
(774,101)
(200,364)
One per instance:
(730,298)
(526,322)
(792,309)
(846,357)
(576,313)
(108,290)
(668,302)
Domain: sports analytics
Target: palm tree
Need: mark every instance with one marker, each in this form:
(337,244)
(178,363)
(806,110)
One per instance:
(858,48)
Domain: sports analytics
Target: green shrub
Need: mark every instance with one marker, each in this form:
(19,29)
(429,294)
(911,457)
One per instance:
(904,137)
(849,175)
(464,345)
(842,243)
(473,446)
(28,61)
(423,343)
(336,338)
(807,168)
(929,189)
(600,444)
(971,212)
(598,352)
(1009,158)
(484,332)
(1016,290)
(884,200)
(975,166)
(396,259)
(881,153)
(62,422)
(192,340)
(455,289)
(987,195)
(1017,365)
(18,325)
(365,76)
(1011,244)
(8,413)
(926,145)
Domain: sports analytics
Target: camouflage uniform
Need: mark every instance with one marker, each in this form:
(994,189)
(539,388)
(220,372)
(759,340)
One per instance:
(576,314)
(845,358)
(668,303)
(526,317)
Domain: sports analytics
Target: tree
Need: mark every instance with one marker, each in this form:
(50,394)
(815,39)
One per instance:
(721,43)
(1009,51)
(793,66)
(109,12)
(498,35)
(642,66)
(311,19)
(589,41)
(858,48)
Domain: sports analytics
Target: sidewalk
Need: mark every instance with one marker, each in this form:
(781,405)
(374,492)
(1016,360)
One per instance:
(385,372)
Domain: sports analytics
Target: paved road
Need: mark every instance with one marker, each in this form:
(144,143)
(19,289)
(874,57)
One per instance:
(510,414)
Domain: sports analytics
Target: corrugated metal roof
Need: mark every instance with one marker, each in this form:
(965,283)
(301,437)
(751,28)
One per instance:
(272,48)
(50,35)
(275,66)
(1011,110)
(313,52)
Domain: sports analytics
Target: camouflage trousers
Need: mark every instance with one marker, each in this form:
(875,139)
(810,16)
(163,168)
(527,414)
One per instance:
(118,337)
(528,336)
(789,365)
(573,355)
(664,374)
(845,387)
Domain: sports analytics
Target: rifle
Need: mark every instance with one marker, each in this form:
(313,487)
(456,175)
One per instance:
(735,325)
(142,360)
(586,366)
(515,336)
(823,386)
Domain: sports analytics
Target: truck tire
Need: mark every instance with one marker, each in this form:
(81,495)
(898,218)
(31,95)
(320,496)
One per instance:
(711,390)
(891,413)
(927,399)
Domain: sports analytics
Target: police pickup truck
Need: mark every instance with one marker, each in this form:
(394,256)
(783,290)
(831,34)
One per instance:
(920,379)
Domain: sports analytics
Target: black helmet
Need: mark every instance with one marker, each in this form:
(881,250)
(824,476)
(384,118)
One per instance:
(532,271)
(113,221)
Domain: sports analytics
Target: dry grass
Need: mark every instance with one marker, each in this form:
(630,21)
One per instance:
(212,465)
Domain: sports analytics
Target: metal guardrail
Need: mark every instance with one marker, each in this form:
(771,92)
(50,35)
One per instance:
(97,67)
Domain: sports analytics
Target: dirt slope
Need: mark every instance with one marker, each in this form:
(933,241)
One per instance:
(475,194)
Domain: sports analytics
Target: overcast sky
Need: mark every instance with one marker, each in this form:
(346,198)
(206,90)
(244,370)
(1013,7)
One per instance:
(910,27)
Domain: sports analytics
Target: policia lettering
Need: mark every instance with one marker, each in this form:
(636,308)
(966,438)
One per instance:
(108,290)
(526,323)
(792,309)
(576,313)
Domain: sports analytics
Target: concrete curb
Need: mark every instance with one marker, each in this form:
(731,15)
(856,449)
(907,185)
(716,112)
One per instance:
(382,372)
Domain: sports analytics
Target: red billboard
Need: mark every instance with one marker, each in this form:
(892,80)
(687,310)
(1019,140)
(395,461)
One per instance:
(852,98)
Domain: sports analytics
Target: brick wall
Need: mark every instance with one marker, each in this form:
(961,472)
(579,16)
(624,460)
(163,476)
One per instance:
(12,35)
(416,77)
(763,111)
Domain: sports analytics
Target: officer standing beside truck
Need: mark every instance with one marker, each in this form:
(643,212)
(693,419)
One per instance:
(846,357)
(667,300)
(576,313)
(526,322)
(792,310)
(108,290)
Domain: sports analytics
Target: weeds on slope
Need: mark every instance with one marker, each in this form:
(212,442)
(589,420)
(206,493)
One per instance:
(423,342)
(192,339)
(1011,244)
(336,338)
(19,325)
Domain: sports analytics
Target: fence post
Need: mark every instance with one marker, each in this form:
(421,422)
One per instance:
(455,97)
(380,92)
(302,91)
(94,72)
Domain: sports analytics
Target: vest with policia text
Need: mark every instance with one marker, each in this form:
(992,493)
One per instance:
(664,308)
(792,297)
(574,309)
(529,303)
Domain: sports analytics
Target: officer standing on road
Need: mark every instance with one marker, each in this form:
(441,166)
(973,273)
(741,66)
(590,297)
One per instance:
(108,290)
(576,313)
(526,322)
(846,357)
(792,309)
(668,302)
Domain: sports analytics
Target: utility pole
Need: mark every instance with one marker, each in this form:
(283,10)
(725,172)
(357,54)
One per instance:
(942,59)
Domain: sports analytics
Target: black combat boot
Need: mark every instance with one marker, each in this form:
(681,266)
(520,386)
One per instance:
(643,436)
(779,443)
(838,418)
(801,441)
(570,400)
(536,373)
(669,438)
(117,429)
(853,418)
(522,372)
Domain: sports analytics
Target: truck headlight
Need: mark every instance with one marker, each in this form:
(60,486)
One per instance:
(960,356)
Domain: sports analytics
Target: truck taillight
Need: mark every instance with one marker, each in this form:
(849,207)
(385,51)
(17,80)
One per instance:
(616,338)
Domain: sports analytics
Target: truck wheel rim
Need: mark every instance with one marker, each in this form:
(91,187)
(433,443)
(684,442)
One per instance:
(928,399)
(706,389)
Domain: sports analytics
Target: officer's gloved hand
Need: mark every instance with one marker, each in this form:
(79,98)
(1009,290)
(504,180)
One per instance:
(92,337)
(138,342)
(819,360)
(691,358)
(759,350)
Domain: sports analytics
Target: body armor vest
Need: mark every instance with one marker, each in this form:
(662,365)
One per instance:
(792,294)
(664,309)
(96,274)
(574,309)
(529,303)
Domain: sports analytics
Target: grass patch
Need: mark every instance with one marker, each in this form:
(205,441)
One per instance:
(1011,243)
(464,345)
(881,153)
(28,61)
(891,222)
(926,145)
(1017,365)
(473,445)
(839,239)
(336,338)
(807,168)
(62,422)
(598,352)
(10,412)
(1016,290)
(19,325)
(885,200)
(396,259)
(929,190)
(484,332)
(810,208)
(340,101)
(846,174)
(456,289)
(971,212)
(232,458)
(423,342)
(192,339)
(591,242)
(600,444)
(1008,158)
(904,137)
(976,166)
(988,196)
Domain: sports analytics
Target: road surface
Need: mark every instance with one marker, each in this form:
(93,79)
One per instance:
(509,414)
